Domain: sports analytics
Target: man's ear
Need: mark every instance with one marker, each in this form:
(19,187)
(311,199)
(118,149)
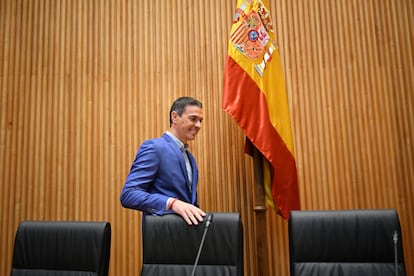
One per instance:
(174,116)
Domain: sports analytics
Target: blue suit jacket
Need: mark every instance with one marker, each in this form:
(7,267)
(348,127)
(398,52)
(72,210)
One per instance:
(158,173)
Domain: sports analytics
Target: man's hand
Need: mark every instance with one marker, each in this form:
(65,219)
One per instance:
(190,213)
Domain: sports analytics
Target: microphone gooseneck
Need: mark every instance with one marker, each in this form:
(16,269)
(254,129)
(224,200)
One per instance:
(208,222)
(395,239)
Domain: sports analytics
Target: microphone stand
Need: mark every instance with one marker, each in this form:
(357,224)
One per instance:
(208,222)
(395,239)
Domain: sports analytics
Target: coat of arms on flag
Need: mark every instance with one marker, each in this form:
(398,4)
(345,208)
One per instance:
(251,34)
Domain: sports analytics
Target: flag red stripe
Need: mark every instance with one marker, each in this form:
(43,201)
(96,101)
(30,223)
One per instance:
(245,102)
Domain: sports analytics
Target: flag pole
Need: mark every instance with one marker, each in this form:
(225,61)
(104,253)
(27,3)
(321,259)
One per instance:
(260,210)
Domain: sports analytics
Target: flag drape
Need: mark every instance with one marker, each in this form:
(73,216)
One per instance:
(255,97)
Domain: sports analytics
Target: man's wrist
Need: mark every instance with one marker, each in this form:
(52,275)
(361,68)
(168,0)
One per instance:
(171,201)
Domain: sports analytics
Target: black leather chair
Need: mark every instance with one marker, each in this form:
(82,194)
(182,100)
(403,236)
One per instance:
(170,246)
(61,248)
(346,242)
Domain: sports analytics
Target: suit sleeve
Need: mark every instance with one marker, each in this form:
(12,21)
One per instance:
(136,191)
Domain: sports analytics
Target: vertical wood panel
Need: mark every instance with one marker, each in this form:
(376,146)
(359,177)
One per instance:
(84,83)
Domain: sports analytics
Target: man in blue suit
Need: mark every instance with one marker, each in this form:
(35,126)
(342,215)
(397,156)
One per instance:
(163,177)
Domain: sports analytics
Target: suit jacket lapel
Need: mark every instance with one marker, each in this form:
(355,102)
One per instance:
(195,176)
(180,156)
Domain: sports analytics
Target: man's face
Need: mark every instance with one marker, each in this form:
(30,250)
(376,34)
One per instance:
(186,126)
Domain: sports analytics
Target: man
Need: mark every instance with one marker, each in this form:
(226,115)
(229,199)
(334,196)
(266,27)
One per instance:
(163,177)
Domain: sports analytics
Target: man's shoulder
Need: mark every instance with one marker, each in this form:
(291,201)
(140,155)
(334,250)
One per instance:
(159,141)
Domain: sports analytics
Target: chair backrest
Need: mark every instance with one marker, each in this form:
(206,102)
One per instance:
(62,248)
(170,246)
(346,242)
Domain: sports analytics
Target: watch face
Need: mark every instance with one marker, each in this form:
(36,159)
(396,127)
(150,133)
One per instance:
(253,49)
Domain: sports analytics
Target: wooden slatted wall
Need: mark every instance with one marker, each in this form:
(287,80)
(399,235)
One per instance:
(84,82)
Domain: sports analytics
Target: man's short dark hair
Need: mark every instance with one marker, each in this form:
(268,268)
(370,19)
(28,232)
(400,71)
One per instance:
(181,103)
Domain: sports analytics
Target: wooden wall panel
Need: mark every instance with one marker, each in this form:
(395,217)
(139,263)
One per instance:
(83,83)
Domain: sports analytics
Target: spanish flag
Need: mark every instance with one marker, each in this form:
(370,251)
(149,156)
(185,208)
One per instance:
(255,97)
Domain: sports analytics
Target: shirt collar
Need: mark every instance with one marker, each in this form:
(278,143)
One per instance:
(180,144)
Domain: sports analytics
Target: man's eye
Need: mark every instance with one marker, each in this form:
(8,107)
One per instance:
(195,119)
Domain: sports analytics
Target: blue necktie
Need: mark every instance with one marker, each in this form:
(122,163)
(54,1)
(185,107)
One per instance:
(188,166)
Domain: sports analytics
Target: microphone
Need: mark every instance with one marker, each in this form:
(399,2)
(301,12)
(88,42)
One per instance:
(208,222)
(395,239)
